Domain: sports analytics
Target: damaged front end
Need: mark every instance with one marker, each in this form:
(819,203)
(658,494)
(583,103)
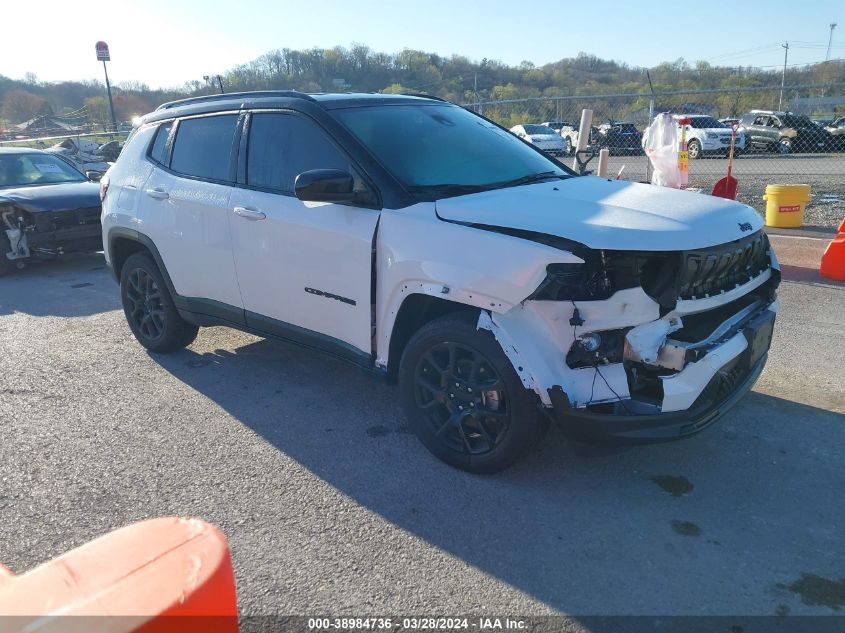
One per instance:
(645,345)
(34,233)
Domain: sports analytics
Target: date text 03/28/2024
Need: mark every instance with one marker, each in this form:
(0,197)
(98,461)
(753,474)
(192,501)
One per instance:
(415,624)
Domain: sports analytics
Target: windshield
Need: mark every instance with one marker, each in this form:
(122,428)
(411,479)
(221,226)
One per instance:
(538,129)
(704,122)
(17,170)
(429,147)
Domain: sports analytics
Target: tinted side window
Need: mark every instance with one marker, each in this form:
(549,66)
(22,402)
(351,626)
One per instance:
(158,150)
(282,146)
(203,147)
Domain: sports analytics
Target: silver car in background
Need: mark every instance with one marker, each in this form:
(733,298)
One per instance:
(542,137)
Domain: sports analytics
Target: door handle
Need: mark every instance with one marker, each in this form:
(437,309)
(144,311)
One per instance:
(158,194)
(249,214)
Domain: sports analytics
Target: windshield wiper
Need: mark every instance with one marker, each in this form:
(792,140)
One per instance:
(448,188)
(458,189)
(527,180)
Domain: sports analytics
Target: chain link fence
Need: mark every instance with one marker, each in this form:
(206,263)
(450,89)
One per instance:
(789,135)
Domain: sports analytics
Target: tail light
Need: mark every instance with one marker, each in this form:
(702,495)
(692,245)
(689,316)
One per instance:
(104,187)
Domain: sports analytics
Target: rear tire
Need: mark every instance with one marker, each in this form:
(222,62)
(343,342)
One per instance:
(694,149)
(149,308)
(463,398)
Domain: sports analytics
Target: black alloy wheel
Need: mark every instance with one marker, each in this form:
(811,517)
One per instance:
(150,312)
(146,311)
(463,398)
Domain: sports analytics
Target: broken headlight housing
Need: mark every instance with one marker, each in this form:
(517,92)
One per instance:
(592,349)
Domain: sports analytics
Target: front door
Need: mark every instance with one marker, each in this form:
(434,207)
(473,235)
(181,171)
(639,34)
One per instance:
(304,268)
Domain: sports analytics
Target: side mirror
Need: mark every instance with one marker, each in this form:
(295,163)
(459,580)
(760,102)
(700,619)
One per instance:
(94,176)
(325,185)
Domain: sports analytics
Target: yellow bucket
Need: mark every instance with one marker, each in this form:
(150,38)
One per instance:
(785,205)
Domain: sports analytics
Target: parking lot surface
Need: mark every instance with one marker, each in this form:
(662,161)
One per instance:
(332,507)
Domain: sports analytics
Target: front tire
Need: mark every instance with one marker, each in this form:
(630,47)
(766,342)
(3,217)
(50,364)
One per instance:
(149,308)
(463,398)
(784,146)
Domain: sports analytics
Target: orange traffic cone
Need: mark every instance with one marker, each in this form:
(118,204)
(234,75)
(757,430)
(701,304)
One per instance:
(833,259)
(165,574)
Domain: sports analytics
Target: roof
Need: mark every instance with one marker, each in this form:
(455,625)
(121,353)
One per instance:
(328,100)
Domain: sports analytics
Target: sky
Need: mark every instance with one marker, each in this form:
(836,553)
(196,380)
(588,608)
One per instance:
(165,43)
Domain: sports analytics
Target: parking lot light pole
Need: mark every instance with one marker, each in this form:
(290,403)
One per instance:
(785,47)
(104,56)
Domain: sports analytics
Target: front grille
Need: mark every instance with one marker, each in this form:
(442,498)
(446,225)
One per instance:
(711,271)
(48,221)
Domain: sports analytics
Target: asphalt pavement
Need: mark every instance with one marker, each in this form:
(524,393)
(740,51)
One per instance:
(332,507)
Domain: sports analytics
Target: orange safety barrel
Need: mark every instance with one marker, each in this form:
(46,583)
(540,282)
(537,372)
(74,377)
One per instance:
(167,574)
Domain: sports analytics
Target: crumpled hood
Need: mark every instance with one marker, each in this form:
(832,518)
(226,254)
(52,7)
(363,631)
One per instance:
(59,197)
(608,214)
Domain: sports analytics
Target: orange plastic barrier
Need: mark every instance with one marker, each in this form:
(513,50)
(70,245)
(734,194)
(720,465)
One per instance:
(167,574)
(833,259)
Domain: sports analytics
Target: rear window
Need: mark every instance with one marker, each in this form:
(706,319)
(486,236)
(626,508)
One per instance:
(203,147)
(159,149)
(538,129)
(705,122)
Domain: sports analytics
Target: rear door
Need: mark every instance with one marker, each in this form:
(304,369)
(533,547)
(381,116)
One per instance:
(304,268)
(186,209)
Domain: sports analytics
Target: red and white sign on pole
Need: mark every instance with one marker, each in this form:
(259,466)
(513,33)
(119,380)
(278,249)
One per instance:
(103,52)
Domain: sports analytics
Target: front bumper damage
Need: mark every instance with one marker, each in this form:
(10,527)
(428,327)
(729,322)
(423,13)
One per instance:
(48,234)
(681,369)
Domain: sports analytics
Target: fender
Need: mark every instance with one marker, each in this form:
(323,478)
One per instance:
(419,254)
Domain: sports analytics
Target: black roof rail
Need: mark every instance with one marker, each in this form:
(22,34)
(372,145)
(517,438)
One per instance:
(226,96)
(423,95)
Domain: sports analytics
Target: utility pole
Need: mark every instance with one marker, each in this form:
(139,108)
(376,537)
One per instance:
(785,47)
(830,40)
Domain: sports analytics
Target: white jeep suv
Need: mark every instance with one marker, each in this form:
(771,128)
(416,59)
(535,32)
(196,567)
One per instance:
(497,287)
(706,135)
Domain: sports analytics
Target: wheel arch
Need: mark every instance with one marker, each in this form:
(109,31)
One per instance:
(123,243)
(416,310)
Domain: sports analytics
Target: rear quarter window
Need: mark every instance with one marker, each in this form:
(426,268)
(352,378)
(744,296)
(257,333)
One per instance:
(204,147)
(158,151)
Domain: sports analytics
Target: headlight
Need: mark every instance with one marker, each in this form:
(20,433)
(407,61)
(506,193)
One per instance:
(575,282)
(589,342)
(597,348)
